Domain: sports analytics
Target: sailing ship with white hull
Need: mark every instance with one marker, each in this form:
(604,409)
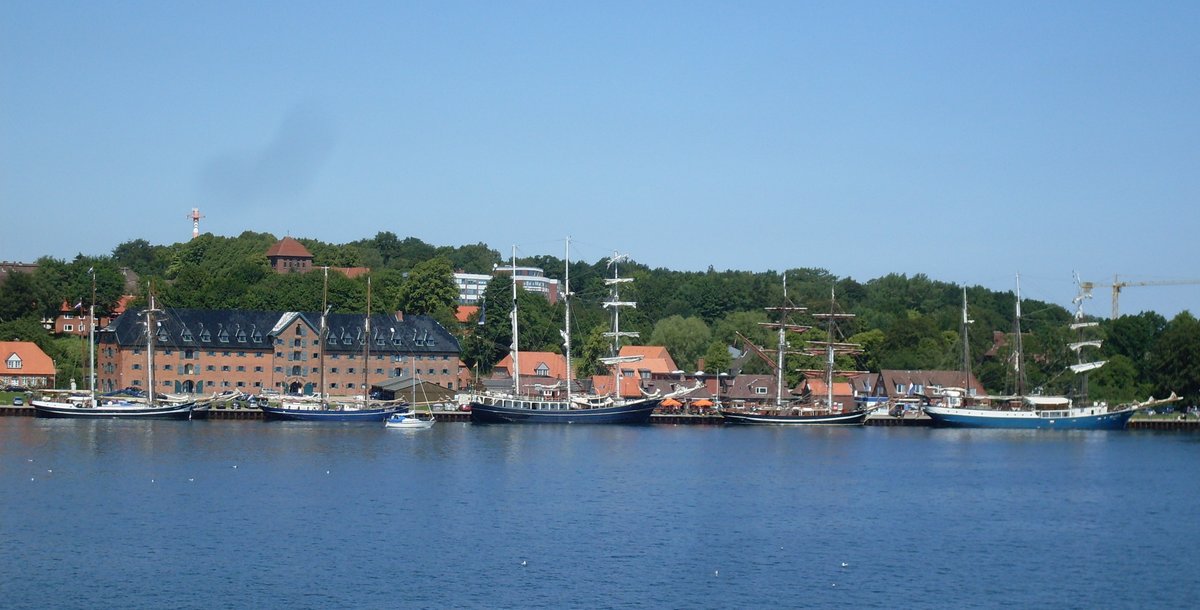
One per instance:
(323,408)
(516,407)
(88,405)
(1021,410)
(814,411)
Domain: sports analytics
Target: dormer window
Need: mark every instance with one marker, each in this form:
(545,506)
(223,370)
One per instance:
(223,336)
(241,336)
(256,337)
(205,336)
(542,370)
(187,336)
(14,362)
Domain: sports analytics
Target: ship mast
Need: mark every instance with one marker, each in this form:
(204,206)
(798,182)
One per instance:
(515,347)
(966,351)
(782,326)
(567,308)
(151,326)
(1019,350)
(1079,323)
(367,346)
(92,338)
(321,336)
(616,304)
(830,348)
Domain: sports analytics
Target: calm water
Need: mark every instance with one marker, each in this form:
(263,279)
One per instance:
(240,514)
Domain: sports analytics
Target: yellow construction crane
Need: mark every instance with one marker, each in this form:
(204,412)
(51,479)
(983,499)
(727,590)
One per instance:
(1117,285)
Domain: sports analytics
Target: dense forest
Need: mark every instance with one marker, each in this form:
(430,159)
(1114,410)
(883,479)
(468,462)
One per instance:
(902,322)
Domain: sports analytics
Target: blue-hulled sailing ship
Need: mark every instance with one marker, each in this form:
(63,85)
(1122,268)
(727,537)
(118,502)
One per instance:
(1039,412)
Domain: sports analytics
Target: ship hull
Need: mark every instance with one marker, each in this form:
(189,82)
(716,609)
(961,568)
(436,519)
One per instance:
(1081,419)
(487,412)
(123,411)
(271,413)
(852,418)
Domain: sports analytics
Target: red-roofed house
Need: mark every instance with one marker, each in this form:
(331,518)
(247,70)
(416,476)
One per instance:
(535,364)
(290,256)
(25,365)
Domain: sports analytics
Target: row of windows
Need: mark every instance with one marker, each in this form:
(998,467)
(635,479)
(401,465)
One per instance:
(192,354)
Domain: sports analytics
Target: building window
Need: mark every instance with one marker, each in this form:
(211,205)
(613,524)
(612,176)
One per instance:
(258,369)
(225,367)
(760,390)
(137,367)
(210,368)
(15,362)
(68,328)
(241,369)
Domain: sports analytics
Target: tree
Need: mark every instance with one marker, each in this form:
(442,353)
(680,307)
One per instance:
(1175,359)
(595,347)
(687,339)
(430,287)
(19,298)
(717,358)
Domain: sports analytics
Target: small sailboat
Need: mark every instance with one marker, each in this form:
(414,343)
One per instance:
(410,421)
(1035,411)
(810,411)
(515,407)
(323,408)
(89,405)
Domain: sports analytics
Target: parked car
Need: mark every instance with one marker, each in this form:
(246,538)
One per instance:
(18,401)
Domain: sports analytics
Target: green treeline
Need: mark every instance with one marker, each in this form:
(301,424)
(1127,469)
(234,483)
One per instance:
(903,322)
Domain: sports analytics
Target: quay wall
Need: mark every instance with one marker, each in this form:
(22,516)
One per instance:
(233,413)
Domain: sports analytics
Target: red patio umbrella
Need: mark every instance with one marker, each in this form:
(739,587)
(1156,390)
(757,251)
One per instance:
(703,402)
(671,402)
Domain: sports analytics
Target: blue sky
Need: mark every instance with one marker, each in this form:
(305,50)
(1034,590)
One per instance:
(964,140)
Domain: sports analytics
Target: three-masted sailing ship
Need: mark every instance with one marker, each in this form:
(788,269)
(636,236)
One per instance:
(515,406)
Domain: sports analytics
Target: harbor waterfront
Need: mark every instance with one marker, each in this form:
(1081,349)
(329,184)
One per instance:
(1139,422)
(120,513)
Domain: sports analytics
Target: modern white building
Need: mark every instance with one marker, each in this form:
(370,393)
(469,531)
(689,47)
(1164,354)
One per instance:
(532,279)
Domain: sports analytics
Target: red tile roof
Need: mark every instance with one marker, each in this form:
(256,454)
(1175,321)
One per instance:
(465,312)
(290,248)
(530,361)
(33,360)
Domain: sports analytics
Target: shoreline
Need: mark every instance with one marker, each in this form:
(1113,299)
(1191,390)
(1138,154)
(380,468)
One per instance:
(1139,422)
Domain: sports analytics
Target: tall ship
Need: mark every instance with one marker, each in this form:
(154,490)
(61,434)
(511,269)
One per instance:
(89,405)
(324,408)
(516,407)
(804,410)
(1037,411)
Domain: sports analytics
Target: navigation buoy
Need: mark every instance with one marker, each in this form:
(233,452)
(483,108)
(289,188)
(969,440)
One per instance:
(845,565)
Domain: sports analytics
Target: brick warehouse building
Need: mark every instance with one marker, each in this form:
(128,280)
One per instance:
(204,351)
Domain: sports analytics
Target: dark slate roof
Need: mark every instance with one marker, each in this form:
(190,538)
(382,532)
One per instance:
(235,329)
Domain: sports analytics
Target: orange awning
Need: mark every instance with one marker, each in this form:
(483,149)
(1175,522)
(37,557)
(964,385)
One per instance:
(703,402)
(671,402)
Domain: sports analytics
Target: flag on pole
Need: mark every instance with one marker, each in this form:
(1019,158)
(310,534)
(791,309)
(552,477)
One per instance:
(78,305)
